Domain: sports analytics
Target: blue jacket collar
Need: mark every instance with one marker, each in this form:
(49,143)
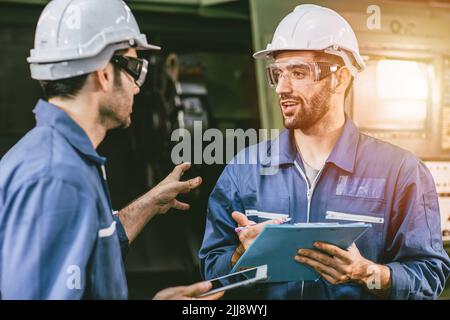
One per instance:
(48,114)
(343,154)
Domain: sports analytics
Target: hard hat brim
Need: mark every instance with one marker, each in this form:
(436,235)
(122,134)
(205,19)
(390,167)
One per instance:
(268,53)
(146,46)
(263,54)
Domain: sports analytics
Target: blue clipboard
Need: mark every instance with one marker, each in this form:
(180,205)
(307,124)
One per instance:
(277,245)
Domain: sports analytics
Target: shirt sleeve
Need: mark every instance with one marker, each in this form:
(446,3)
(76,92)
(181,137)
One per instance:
(123,238)
(418,262)
(49,231)
(220,240)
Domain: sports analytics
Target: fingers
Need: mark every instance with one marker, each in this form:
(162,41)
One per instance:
(274,221)
(197,288)
(194,183)
(256,229)
(214,296)
(240,218)
(186,186)
(319,267)
(180,205)
(180,169)
(333,251)
(329,278)
(323,258)
(166,194)
(181,186)
(187,292)
(173,293)
(316,255)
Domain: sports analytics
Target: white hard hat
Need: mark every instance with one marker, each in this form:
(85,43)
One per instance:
(312,27)
(75,37)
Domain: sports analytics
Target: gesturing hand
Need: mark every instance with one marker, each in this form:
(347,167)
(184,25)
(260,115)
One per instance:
(163,196)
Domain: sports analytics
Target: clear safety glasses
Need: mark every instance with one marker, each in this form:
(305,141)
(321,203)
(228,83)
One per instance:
(299,72)
(135,67)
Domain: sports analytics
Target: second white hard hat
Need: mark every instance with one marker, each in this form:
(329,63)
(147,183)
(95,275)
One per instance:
(312,27)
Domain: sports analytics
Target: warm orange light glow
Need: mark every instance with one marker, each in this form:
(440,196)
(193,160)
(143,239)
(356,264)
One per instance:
(392,95)
(398,79)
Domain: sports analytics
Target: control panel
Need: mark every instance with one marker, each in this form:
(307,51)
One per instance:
(441,174)
(445,129)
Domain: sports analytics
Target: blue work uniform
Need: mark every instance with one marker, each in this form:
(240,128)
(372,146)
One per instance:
(59,238)
(362,176)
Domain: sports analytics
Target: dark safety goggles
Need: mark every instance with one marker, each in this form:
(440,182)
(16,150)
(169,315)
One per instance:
(135,67)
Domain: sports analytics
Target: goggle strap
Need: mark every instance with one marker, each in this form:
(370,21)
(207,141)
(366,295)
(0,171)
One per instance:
(325,69)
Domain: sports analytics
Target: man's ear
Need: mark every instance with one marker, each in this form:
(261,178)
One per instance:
(343,78)
(105,78)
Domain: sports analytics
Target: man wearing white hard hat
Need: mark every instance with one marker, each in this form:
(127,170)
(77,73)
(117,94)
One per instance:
(59,237)
(327,171)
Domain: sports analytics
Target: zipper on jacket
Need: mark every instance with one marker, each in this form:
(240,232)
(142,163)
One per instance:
(309,194)
(310,189)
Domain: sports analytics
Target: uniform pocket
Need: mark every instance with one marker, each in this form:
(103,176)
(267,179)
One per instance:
(334,215)
(266,208)
(108,273)
(369,188)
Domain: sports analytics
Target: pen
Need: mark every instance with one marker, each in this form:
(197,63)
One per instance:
(239,229)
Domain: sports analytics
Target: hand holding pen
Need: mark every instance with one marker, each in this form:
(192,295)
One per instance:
(247,231)
(278,221)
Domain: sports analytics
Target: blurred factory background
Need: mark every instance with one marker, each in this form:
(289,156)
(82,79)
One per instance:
(205,72)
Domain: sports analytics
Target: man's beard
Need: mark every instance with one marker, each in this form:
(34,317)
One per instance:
(307,115)
(112,115)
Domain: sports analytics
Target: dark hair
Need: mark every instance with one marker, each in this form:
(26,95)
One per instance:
(64,88)
(69,88)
